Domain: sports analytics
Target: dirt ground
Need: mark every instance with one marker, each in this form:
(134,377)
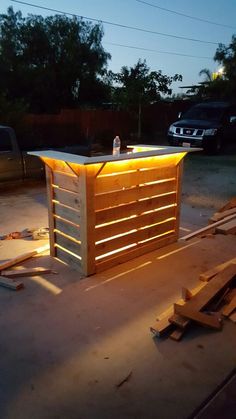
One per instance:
(82,349)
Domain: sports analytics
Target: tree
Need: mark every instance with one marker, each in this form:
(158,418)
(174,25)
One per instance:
(138,86)
(226,57)
(51,62)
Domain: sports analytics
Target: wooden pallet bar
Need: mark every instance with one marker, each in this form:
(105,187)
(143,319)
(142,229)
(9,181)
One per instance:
(108,209)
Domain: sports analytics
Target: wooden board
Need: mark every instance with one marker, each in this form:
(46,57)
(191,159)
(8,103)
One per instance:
(7,283)
(227,228)
(134,237)
(208,275)
(134,208)
(230,307)
(163,324)
(66,181)
(68,214)
(203,319)
(135,193)
(207,229)
(105,184)
(67,198)
(26,272)
(210,291)
(67,228)
(221,215)
(177,334)
(23,257)
(122,226)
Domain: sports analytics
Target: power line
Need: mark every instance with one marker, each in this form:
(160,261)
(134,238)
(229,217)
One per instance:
(115,24)
(184,15)
(159,52)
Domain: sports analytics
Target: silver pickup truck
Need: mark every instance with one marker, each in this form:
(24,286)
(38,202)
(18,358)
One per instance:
(14,163)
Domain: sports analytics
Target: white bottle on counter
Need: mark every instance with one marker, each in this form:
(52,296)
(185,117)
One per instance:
(116,146)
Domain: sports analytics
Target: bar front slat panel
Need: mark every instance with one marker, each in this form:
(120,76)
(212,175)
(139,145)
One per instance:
(126,180)
(134,208)
(105,231)
(135,237)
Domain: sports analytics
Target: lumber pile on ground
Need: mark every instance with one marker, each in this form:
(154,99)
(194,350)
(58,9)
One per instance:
(7,277)
(213,300)
(222,222)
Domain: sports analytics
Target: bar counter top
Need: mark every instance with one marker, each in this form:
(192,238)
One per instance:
(143,151)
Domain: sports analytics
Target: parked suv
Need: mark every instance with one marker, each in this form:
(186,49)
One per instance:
(209,125)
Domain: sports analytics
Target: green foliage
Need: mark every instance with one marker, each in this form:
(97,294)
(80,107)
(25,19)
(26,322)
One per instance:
(51,62)
(226,56)
(138,86)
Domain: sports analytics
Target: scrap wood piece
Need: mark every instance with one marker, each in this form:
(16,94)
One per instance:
(206,276)
(208,228)
(227,228)
(220,215)
(23,257)
(229,205)
(163,324)
(205,296)
(230,307)
(233,317)
(26,272)
(186,294)
(177,334)
(213,320)
(6,283)
(220,281)
(178,319)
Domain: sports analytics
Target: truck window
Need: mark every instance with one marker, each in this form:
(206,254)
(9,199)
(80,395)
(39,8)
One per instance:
(5,141)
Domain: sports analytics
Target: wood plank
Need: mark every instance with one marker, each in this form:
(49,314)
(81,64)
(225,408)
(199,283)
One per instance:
(67,213)
(220,215)
(177,334)
(230,307)
(49,180)
(179,173)
(133,165)
(134,237)
(71,260)
(161,328)
(179,320)
(213,321)
(68,228)
(210,291)
(22,257)
(67,198)
(142,220)
(227,228)
(115,198)
(135,208)
(26,272)
(7,283)
(68,243)
(66,181)
(232,317)
(209,228)
(87,227)
(123,256)
(116,182)
(229,205)
(208,275)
